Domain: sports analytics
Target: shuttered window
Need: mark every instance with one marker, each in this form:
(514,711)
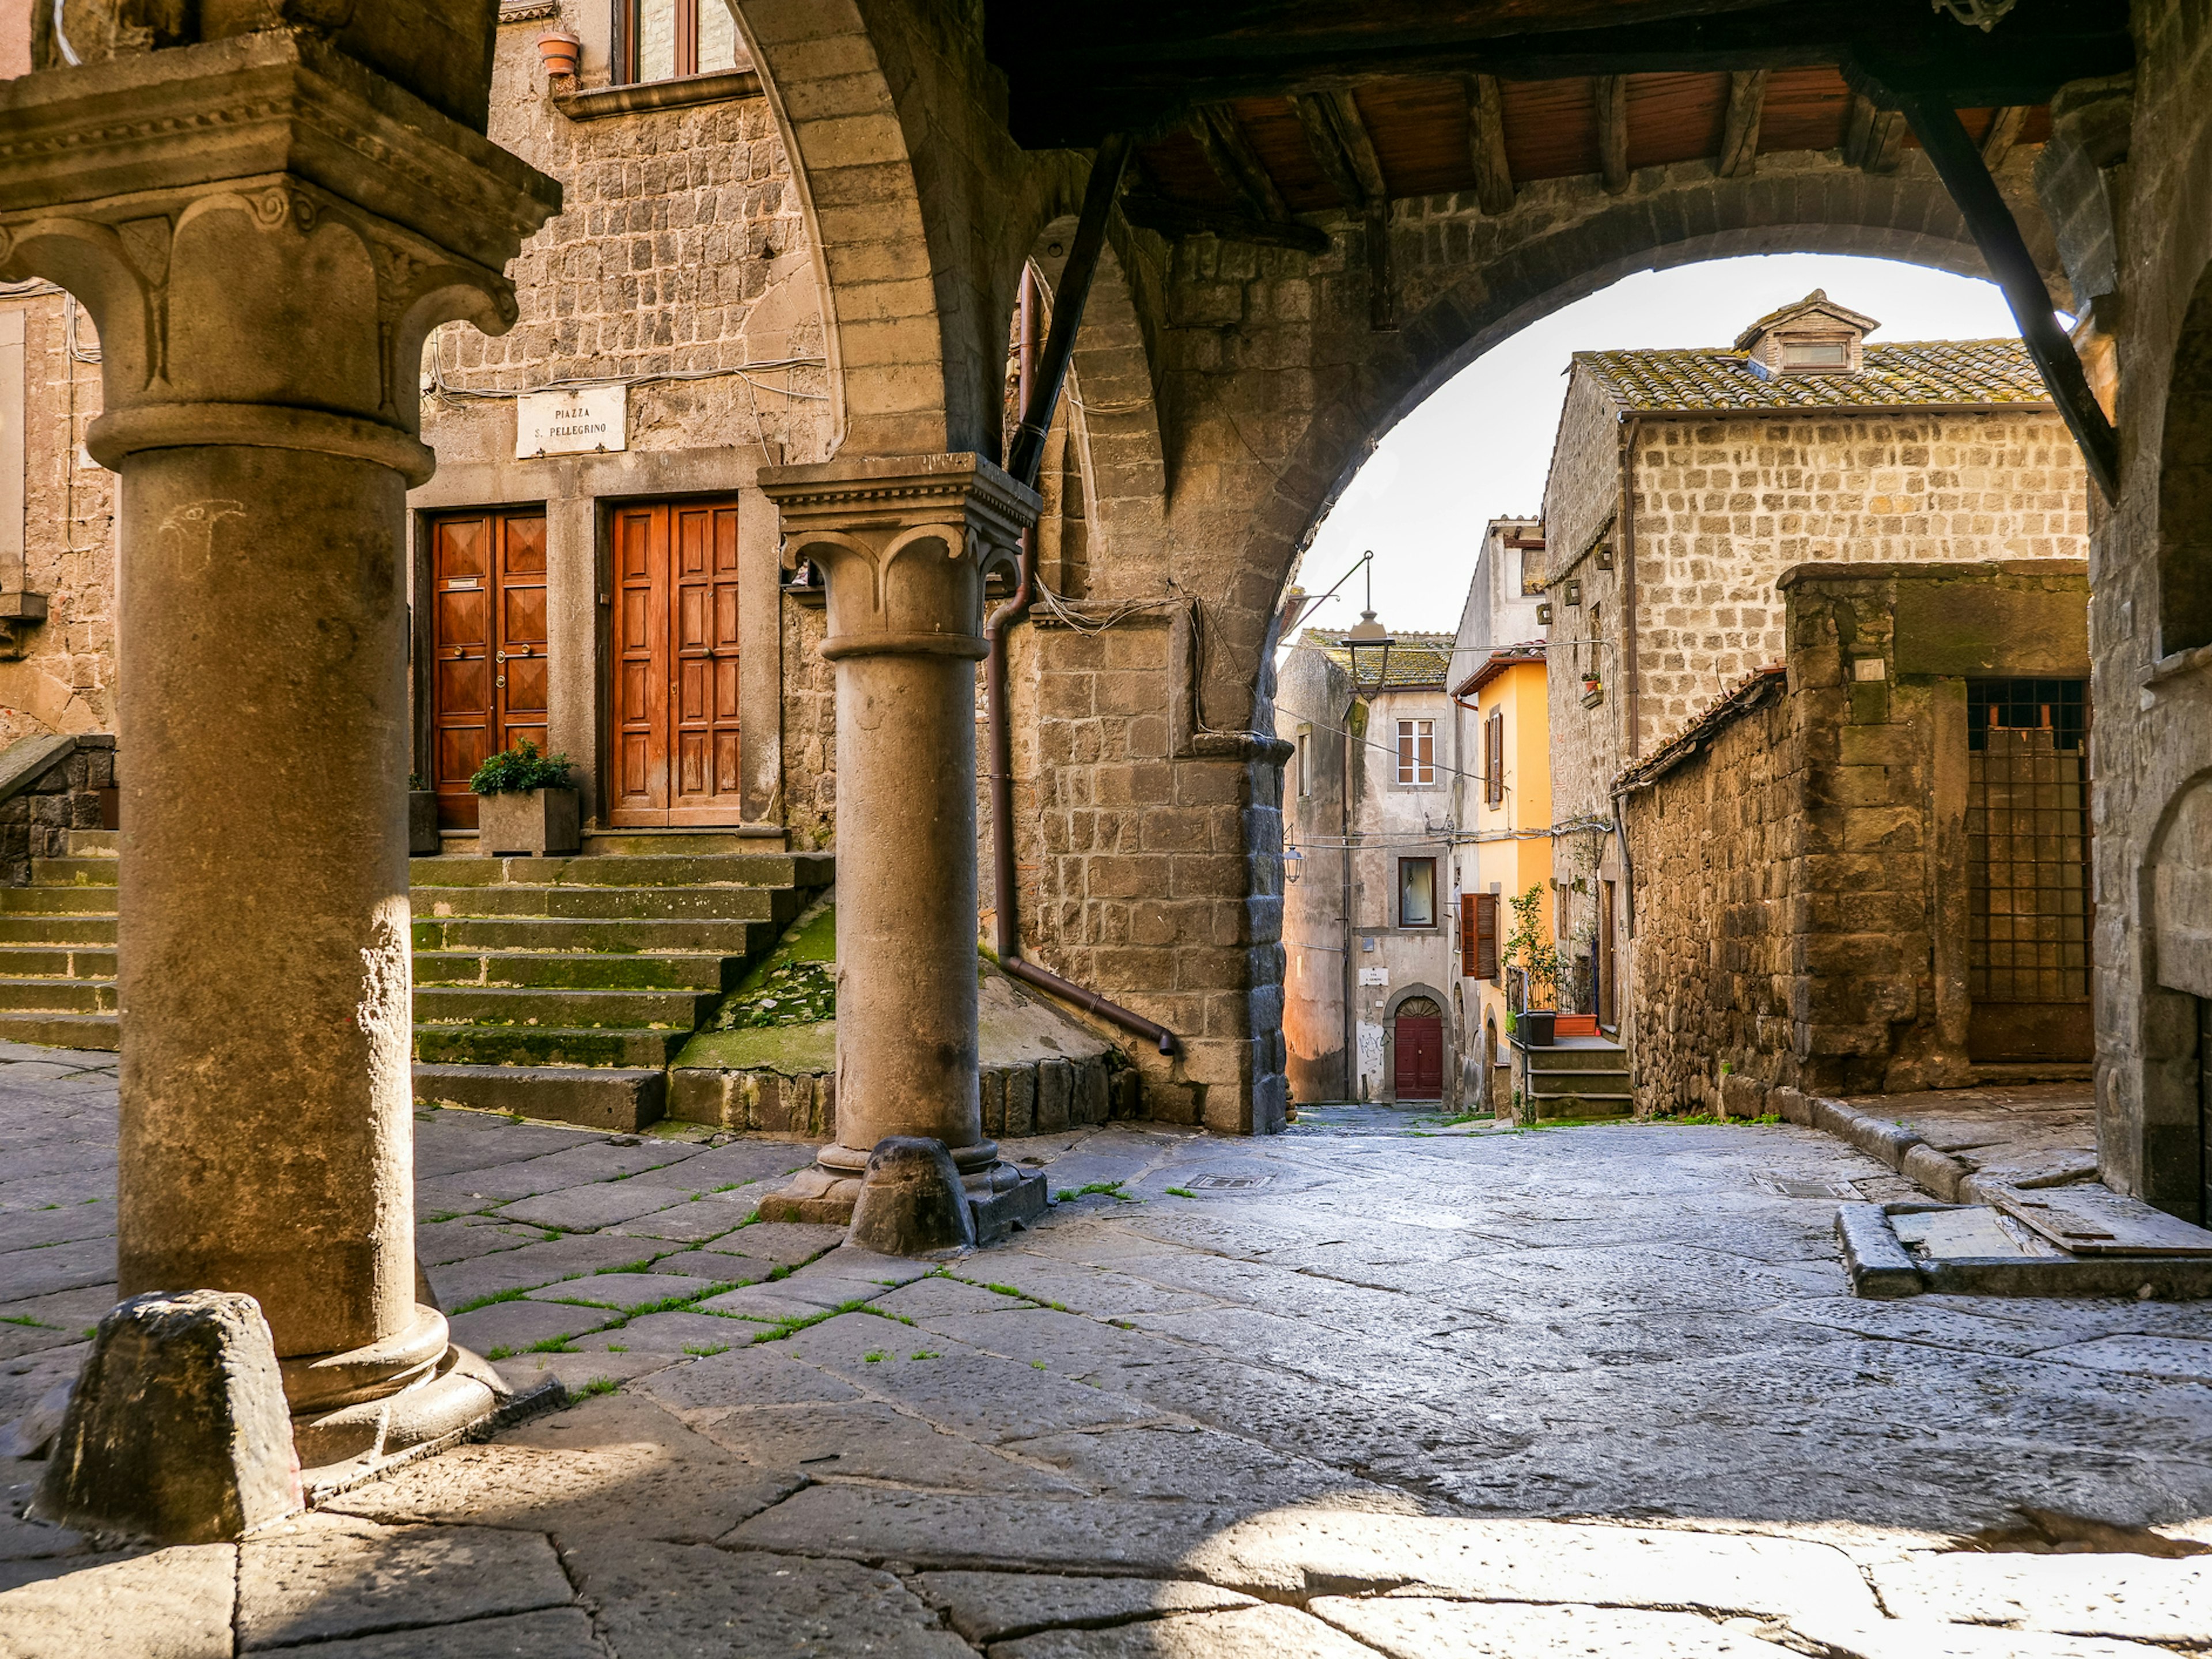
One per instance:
(1477,935)
(1493,757)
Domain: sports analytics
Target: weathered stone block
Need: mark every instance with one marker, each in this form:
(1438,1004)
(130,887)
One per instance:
(1055,1091)
(178,1429)
(1021,1101)
(911,1199)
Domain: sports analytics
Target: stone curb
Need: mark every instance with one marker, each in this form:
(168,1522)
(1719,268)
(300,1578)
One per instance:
(1937,1173)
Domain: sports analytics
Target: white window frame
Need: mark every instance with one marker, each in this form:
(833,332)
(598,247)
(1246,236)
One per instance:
(1414,773)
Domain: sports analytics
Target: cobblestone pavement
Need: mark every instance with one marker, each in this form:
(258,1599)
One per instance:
(1373,1386)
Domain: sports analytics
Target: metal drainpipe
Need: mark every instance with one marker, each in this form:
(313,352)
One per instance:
(1038,384)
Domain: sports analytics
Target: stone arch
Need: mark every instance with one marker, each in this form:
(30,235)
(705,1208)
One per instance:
(919,208)
(1471,281)
(1419,991)
(2175,899)
(1403,1000)
(2185,484)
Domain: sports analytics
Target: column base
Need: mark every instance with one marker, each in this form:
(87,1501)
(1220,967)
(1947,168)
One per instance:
(360,1408)
(1001,1196)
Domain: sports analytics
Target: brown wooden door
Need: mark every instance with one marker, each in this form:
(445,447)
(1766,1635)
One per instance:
(675,665)
(1419,1050)
(487,648)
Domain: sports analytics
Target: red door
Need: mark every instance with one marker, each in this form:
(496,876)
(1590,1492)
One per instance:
(1420,1050)
(488,666)
(675,661)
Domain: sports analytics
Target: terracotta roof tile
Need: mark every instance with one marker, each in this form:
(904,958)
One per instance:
(1419,662)
(1915,372)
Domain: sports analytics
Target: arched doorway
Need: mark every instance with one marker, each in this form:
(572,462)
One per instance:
(1417,1041)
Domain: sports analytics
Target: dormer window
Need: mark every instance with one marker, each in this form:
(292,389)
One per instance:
(1814,356)
(1816,336)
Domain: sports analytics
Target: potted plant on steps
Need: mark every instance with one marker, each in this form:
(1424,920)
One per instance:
(525,803)
(422,818)
(1530,950)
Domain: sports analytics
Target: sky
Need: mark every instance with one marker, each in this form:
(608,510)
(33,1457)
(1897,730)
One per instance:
(1478,448)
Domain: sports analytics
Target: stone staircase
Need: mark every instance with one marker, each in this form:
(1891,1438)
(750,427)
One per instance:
(57,949)
(1576,1077)
(561,987)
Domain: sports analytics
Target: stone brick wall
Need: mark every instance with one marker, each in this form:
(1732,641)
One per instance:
(810,730)
(35,821)
(64,681)
(1801,856)
(1713,843)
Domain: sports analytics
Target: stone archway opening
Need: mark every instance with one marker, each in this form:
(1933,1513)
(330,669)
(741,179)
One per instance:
(2185,486)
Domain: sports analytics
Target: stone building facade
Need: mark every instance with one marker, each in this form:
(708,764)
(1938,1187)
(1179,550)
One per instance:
(1371,796)
(1685,483)
(1866,868)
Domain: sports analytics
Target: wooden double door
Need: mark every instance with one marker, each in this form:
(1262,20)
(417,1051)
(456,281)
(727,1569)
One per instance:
(1419,1050)
(673,701)
(487,648)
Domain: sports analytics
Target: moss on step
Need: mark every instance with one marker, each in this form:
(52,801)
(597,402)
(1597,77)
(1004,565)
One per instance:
(792,1050)
(794,985)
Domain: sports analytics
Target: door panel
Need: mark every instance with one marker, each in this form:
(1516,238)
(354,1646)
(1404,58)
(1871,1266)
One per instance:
(1421,1054)
(675,692)
(487,648)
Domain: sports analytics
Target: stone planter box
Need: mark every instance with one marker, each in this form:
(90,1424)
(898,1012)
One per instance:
(422,822)
(541,821)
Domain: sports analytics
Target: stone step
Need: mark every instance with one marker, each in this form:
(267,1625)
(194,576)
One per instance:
(1584,1106)
(74,872)
(47,960)
(99,1032)
(58,996)
(521,1048)
(52,930)
(1577,1060)
(617,934)
(94,844)
(57,902)
(496,1005)
(609,970)
(766,839)
(624,1097)
(769,904)
(625,870)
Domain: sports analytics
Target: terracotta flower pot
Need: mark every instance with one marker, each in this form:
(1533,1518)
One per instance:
(558,49)
(539,822)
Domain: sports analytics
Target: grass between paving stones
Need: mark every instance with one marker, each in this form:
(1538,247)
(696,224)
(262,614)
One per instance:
(1003,1290)
(1181,1192)
(26,1319)
(1692,1118)
(597,1385)
(1107,1189)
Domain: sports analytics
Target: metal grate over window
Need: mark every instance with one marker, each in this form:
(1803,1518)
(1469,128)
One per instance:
(2027,832)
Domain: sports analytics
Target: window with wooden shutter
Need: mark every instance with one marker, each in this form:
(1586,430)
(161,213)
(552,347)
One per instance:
(1493,757)
(1477,936)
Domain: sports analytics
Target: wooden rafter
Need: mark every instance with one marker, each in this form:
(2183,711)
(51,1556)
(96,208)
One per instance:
(1493,173)
(1345,152)
(2003,134)
(1746,100)
(1609,96)
(1875,141)
(1229,153)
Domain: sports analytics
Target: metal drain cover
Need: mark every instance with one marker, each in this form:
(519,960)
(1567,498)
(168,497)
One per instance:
(1799,1187)
(1227,1183)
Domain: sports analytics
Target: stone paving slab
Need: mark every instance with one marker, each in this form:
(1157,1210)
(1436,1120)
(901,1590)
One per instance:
(1259,1633)
(693,1221)
(506,1327)
(1412,1627)
(766,1375)
(674,1333)
(783,1243)
(992,1607)
(72,1265)
(460,1282)
(710,1267)
(2132,1597)
(624,1292)
(587,1209)
(870,1440)
(559,1633)
(330,1575)
(177,1601)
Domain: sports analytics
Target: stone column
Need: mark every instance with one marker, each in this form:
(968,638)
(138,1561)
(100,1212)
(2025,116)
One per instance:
(264,232)
(904,545)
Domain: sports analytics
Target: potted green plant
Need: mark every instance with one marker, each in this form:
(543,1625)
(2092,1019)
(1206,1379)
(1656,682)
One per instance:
(423,838)
(1529,948)
(525,803)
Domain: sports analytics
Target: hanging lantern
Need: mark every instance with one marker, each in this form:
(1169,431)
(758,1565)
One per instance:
(1984,15)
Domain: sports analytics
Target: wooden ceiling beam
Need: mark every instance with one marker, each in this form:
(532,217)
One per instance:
(1493,173)
(1345,152)
(1609,94)
(1746,100)
(2003,134)
(1238,166)
(1875,141)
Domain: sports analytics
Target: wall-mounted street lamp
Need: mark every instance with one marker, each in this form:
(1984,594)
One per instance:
(1982,15)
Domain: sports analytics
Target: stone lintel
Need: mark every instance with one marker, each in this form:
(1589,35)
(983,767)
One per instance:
(110,141)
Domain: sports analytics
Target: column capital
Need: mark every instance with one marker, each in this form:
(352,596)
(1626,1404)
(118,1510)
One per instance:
(264,233)
(906,543)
